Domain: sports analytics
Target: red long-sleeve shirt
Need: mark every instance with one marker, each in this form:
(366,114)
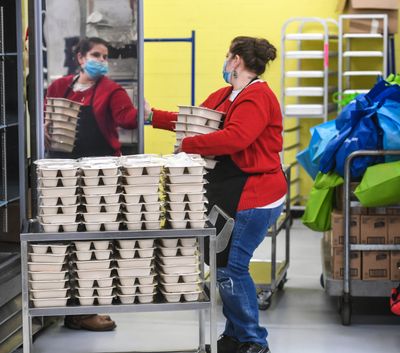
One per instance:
(252,136)
(112,106)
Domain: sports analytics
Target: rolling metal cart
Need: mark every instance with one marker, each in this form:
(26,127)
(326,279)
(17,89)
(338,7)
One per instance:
(31,234)
(347,288)
(278,271)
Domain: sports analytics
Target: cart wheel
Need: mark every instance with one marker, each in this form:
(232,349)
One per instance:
(282,283)
(264,300)
(345,312)
(322,281)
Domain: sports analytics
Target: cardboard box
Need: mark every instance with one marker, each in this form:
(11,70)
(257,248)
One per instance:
(388,7)
(376,265)
(395,265)
(393,210)
(393,229)
(338,267)
(337,220)
(373,229)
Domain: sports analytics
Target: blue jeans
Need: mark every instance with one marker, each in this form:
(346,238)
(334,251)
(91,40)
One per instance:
(236,288)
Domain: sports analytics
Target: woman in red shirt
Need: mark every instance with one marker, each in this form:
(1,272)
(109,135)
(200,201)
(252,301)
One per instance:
(248,182)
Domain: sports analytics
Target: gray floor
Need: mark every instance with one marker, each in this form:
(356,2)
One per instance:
(302,318)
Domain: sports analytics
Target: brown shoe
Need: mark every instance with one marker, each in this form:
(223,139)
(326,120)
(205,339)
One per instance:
(90,322)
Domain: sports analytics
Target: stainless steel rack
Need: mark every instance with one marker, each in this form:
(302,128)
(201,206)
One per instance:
(347,54)
(347,288)
(31,233)
(308,79)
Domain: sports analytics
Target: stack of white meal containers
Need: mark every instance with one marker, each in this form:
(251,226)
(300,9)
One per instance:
(61,117)
(185,202)
(141,182)
(135,269)
(92,264)
(178,270)
(101,193)
(48,275)
(192,121)
(58,191)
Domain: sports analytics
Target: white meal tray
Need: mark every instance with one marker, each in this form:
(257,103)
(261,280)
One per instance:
(304,109)
(363,35)
(362,53)
(304,91)
(305,74)
(304,54)
(362,73)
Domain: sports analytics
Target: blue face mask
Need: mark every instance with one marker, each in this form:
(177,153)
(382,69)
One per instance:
(226,74)
(95,69)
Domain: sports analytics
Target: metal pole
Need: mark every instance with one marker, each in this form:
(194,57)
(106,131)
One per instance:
(26,320)
(23,175)
(140,50)
(38,40)
(346,224)
(213,293)
(273,257)
(201,312)
(193,95)
(3,132)
(288,216)
(385,46)
(340,58)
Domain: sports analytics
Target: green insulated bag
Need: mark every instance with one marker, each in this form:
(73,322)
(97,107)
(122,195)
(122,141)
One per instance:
(317,215)
(380,185)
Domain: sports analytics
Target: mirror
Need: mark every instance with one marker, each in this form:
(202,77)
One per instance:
(65,22)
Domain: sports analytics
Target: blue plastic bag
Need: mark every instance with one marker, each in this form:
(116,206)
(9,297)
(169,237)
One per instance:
(389,120)
(320,136)
(355,133)
(366,135)
(305,160)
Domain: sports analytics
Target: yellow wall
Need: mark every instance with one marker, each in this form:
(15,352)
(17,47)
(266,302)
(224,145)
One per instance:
(216,22)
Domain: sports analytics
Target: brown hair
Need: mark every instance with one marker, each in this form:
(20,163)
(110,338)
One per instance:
(86,44)
(255,52)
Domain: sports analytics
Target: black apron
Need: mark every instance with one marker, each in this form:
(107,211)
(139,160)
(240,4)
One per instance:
(225,185)
(89,141)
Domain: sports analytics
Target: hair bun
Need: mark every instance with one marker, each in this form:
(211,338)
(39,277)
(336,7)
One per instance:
(255,52)
(264,50)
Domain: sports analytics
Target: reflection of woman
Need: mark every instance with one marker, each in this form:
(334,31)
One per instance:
(247,182)
(106,104)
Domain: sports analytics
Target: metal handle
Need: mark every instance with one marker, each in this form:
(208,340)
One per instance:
(224,235)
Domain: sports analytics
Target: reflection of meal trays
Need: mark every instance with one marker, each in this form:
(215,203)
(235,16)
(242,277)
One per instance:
(63,102)
(61,147)
(63,132)
(57,124)
(62,117)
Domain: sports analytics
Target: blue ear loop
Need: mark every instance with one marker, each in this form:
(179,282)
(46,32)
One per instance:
(95,69)
(225,74)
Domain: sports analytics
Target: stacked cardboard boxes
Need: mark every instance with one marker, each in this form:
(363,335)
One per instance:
(379,226)
(337,241)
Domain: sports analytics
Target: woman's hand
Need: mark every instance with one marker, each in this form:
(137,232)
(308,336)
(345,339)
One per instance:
(147,110)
